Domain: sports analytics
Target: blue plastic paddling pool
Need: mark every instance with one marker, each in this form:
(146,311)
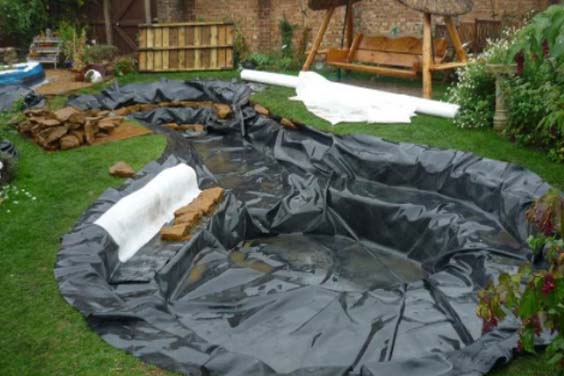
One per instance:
(25,74)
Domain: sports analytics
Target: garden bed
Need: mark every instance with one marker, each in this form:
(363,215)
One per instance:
(369,252)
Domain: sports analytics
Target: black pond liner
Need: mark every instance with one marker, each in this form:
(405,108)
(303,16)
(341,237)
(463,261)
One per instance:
(10,95)
(330,255)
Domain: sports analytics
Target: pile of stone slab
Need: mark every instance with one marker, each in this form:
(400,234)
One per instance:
(189,216)
(223,111)
(68,127)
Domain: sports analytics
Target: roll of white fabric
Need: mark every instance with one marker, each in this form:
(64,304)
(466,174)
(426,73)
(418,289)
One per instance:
(336,102)
(138,217)
(270,78)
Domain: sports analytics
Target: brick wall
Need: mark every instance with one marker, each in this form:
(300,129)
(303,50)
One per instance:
(258,20)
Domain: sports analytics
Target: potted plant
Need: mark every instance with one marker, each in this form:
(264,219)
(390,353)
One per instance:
(99,56)
(74,48)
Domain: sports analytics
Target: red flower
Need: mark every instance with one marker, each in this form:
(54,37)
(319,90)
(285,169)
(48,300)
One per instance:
(520,347)
(520,60)
(489,325)
(548,284)
(536,324)
(548,227)
(546,49)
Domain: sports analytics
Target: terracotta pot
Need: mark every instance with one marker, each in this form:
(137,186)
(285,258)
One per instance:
(78,74)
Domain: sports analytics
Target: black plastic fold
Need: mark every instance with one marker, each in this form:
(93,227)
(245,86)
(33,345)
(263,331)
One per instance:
(330,255)
(10,95)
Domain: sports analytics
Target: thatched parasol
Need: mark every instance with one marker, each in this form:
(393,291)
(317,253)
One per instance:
(440,7)
(326,4)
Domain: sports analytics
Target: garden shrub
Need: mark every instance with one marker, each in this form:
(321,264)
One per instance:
(100,53)
(475,91)
(240,47)
(535,95)
(124,65)
(287,34)
(534,295)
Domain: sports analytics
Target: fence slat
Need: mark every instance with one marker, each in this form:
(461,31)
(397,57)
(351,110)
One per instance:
(150,54)
(185,46)
(142,54)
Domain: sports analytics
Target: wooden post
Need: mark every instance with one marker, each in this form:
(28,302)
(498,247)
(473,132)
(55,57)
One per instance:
(318,39)
(108,21)
(455,38)
(148,17)
(427,57)
(350,23)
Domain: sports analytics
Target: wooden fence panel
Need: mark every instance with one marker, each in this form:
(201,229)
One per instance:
(185,46)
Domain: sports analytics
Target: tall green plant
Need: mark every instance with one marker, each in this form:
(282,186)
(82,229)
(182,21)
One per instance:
(536,93)
(287,34)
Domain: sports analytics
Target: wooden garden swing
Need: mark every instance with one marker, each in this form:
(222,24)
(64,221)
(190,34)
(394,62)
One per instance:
(400,57)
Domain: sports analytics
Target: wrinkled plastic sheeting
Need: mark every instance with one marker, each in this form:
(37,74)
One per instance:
(329,255)
(7,148)
(11,94)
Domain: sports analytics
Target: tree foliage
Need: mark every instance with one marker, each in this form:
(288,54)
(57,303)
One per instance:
(20,20)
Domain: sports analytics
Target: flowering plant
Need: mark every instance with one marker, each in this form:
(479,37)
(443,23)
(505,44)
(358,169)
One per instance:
(475,91)
(535,95)
(534,295)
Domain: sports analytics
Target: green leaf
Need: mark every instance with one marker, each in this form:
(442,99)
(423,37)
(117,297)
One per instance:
(528,339)
(529,301)
(555,359)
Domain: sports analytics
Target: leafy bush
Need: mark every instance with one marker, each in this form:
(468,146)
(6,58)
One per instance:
(124,65)
(287,33)
(240,47)
(535,297)
(535,96)
(475,91)
(100,53)
(21,20)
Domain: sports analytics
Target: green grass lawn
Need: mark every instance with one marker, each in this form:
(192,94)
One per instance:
(41,335)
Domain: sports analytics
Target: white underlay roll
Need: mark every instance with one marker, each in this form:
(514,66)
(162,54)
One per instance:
(270,78)
(138,217)
(352,103)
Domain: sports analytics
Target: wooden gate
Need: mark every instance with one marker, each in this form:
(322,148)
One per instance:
(125,17)
(186,46)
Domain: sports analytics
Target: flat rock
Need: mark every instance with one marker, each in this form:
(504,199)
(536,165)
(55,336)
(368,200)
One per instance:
(175,233)
(122,170)
(65,113)
(188,209)
(77,118)
(47,122)
(69,142)
(287,123)
(51,135)
(261,110)
(192,127)
(191,219)
(223,110)
(109,123)
(173,126)
(79,134)
(90,130)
